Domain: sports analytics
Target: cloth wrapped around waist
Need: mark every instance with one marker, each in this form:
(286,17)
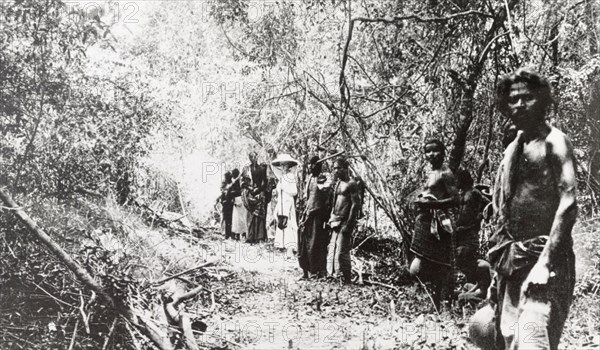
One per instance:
(336,221)
(436,248)
(511,257)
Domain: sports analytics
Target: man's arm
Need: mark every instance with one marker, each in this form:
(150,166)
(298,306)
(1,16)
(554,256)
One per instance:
(562,162)
(354,208)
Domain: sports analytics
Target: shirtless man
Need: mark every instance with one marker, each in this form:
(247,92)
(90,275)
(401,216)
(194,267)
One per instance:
(532,248)
(346,206)
(432,239)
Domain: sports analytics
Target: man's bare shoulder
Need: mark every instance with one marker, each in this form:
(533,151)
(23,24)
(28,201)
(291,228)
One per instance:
(448,176)
(445,172)
(560,144)
(352,185)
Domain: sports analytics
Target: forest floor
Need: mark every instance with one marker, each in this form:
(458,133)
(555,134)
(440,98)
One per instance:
(263,304)
(253,298)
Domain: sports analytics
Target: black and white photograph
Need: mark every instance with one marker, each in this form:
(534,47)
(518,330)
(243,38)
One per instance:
(299,174)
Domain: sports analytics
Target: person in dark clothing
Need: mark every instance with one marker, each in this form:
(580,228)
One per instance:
(471,205)
(239,224)
(314,236)
(255,203)
(255,199)
(227,205)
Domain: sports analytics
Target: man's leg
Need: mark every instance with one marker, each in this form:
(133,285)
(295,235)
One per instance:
(303,248)
(443,283)
(543,312)
(224,226)
(466,262)
(436,274)
(228,214)
(228,224)
(509,291)
(332,254)
(321,242)
(475,270)
(345,261)
(484,276)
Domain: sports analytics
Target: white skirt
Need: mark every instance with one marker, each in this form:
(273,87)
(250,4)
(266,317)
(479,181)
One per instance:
(288,237)
(239,218)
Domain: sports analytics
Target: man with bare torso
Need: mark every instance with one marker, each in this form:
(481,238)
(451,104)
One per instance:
(535,203)
(346,206)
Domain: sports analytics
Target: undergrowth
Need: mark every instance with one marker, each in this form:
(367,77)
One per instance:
(43,306)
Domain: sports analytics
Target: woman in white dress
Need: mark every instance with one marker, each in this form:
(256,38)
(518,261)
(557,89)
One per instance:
(286,234)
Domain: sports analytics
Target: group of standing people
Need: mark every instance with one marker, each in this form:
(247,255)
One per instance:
(263,197)
(244,200)
(528,275)
(333,203)
(247,196)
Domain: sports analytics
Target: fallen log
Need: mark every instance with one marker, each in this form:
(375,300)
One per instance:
(65,258)
(146,329)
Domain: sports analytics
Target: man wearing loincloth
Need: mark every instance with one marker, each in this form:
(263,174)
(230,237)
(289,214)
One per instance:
(532,248)
(346,207)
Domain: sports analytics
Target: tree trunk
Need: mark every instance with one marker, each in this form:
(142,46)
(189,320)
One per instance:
(462,130)
(469,87)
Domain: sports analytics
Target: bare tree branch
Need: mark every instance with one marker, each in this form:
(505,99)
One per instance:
(418,18)
(81,273)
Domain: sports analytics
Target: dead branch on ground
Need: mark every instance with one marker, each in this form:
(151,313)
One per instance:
(81,273)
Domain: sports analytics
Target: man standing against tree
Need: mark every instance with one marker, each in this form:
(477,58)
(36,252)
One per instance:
(535,203)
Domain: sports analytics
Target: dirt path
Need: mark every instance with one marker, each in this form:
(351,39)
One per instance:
(265,306)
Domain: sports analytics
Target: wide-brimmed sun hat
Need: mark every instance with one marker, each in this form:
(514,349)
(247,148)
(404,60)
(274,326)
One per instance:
(284,159)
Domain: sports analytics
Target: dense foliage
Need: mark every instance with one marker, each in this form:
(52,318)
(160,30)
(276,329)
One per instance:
(149,104)
(65,126)
(382,76)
